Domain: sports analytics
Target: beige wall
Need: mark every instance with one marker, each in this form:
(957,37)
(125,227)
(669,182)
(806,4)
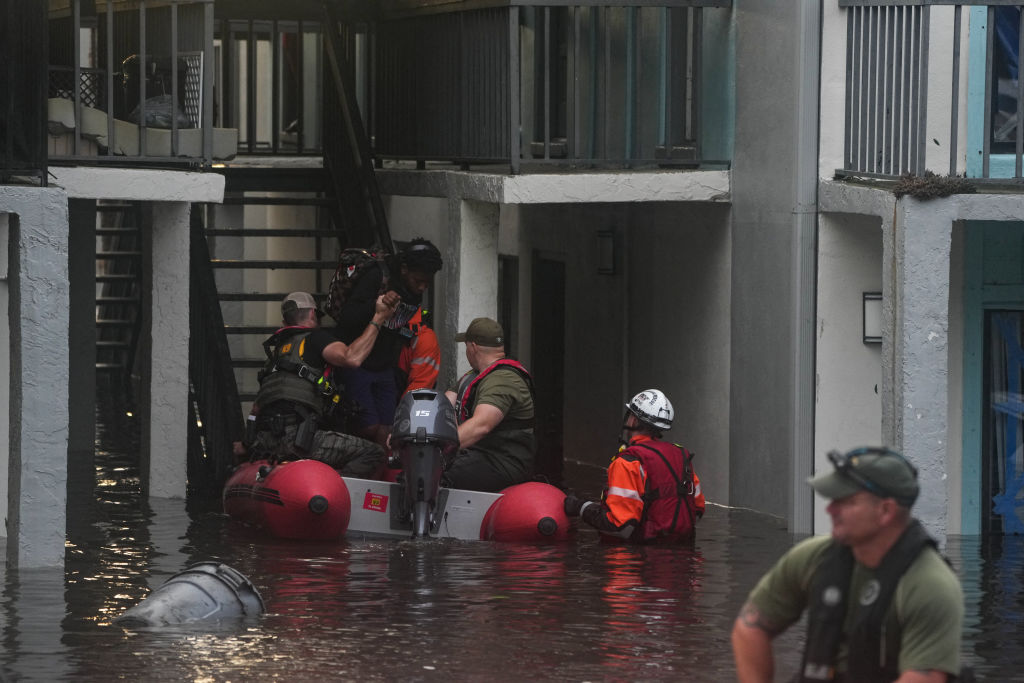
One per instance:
(848,404)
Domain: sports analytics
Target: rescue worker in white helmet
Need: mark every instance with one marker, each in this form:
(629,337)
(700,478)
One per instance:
(653,494)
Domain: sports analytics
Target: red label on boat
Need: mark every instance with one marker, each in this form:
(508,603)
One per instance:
(375,501)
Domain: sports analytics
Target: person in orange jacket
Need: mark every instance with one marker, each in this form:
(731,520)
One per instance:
(420,360)
(653,494)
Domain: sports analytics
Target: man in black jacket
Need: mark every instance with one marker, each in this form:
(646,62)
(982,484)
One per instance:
(297,392)
(372,386)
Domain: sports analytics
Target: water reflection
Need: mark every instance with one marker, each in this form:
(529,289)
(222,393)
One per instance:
(414,610)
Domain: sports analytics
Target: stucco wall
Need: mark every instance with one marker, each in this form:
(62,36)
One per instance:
(37,348)
(848,404)
(766,255)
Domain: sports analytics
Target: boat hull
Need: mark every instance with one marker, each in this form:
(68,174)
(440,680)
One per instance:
(303,499)
(308,500)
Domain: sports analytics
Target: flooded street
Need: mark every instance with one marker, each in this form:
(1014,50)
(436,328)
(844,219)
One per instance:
(428,610)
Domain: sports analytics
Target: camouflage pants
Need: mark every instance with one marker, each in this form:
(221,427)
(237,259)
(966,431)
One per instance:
(349,454)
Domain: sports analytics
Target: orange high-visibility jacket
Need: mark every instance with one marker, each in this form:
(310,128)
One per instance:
(627,493)
(420,360)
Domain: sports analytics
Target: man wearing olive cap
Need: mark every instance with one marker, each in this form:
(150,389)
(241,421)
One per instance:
(494,406)
(883,605)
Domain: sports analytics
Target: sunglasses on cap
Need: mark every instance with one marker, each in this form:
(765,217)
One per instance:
(846,465)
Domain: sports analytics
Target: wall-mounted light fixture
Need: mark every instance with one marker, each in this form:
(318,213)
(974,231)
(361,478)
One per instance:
(872,320)
(606,252)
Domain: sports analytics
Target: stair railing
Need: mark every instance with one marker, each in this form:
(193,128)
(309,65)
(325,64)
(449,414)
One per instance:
(215,412)
(346,148)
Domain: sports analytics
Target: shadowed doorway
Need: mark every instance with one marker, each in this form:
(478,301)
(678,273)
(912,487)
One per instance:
(548,360)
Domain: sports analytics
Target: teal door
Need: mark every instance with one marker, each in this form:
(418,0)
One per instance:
(1002,475)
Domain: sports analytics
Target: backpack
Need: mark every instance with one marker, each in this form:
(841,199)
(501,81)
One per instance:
(352,263)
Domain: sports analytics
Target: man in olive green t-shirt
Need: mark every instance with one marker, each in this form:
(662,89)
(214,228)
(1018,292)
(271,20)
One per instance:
(494,405)
(882,603)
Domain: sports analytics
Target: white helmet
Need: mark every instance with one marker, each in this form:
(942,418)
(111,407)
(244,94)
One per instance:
(653,407)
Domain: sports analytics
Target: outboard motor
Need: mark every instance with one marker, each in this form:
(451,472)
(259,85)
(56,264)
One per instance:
(425,432)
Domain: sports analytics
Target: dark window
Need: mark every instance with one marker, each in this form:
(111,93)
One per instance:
(1005,63)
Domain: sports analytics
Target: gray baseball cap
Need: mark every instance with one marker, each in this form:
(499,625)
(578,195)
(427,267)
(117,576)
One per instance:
(297,300)
(880,471)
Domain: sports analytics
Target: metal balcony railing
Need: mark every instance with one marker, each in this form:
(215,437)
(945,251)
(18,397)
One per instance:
(548,83)
(132,83)
(913,67)
(271,70)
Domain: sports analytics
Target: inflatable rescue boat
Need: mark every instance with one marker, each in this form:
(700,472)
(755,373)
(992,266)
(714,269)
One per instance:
(309,500)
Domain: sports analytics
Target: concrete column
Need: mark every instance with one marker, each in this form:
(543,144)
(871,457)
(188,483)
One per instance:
(470,275)
(917,285)
(163,463)
(38,300)
(82,346)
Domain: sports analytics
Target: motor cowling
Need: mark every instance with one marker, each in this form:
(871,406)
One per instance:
(425,416)
(424,433)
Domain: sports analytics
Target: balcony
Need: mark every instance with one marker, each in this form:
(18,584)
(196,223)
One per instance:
(933,86)
(131,82)
(539,85)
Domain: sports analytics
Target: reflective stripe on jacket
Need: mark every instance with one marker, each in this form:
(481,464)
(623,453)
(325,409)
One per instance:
(421,360)
(641,501)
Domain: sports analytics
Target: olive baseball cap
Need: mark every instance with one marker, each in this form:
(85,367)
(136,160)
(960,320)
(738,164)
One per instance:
(880,471)
(297,300)
(483,331)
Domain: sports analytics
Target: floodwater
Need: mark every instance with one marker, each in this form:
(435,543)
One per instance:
(434,610)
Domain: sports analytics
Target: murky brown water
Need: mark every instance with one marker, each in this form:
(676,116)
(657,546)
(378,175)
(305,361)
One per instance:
(428,610)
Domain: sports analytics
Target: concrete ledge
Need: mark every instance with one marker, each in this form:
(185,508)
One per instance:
(560,188)
(842,197)
(134,184)
(836,196)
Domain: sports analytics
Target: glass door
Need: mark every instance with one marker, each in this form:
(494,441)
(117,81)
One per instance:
(1003,444)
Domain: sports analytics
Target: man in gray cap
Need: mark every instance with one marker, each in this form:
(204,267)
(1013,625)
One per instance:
(494,406)
(883,605)
(298,391)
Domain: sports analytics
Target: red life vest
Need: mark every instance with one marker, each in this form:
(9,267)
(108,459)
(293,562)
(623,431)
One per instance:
(466,393)
(669,507)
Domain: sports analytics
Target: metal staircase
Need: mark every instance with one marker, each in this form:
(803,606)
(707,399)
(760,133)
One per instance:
(279,229)
(118,285)
(275,251)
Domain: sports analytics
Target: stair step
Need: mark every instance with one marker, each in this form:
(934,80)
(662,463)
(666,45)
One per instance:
(249,329)
(278,201)
(117,277)
(272,265)
(275,179)
(117,254)
(270,232)
(110,366)
(108,322)
(102,344)
(248,362)
(118,300)
(262,296)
